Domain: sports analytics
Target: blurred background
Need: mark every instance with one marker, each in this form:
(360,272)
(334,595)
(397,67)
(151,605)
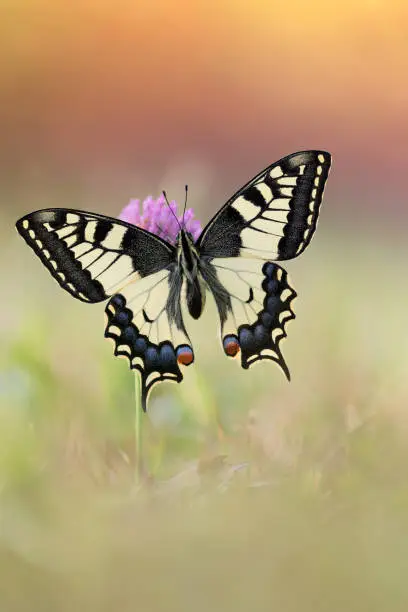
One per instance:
(257,493)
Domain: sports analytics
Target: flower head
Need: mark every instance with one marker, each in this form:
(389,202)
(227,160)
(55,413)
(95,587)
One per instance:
(156,217)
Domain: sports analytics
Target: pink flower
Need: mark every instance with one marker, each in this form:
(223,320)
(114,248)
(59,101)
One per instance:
(156,217)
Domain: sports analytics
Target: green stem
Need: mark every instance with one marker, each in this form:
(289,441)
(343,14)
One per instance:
(138,429)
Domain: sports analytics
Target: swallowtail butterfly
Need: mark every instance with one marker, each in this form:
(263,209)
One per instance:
(149,282)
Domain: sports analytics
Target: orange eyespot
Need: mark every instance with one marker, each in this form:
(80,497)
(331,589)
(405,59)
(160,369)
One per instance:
(185,355)
(231,346)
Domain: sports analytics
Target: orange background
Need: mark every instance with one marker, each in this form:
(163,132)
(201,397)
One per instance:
(111,95)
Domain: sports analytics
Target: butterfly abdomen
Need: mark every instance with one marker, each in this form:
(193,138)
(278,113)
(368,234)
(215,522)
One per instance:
(195,298)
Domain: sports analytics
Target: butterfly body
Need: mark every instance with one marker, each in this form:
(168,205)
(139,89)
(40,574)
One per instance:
(150,282)
(189,263)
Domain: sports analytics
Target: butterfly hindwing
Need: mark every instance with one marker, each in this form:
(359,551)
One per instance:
(275,215)
(92,256)
(255,302)
(145,322)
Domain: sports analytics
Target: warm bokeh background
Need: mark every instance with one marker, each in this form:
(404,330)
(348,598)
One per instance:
(112,96)
(101,101)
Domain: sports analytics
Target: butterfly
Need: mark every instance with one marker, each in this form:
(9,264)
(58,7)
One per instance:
(150,283)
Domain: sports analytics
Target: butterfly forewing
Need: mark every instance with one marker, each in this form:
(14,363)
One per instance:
(275,215)
(92,256)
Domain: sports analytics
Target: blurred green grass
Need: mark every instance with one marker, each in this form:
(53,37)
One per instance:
(262,494)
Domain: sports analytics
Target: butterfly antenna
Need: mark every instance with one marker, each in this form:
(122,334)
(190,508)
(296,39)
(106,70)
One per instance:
(185,205)
(171,210)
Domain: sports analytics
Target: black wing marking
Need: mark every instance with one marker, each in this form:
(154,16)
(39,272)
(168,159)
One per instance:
(92,256)
(146,325)
(254,301)
(275,215)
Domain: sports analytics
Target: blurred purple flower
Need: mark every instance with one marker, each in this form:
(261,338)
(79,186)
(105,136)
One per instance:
(157,218)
